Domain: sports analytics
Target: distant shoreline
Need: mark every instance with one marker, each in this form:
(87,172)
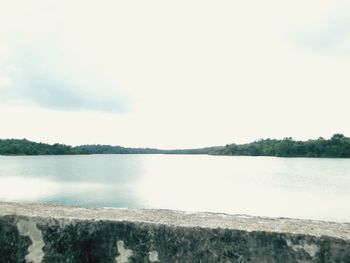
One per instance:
(338,146)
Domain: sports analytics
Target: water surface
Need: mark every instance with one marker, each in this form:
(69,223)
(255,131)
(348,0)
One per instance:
(266,186)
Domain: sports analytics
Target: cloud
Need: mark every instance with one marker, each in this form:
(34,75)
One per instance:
(331,36)
(47,78)
(55,93)
(5,82)
(37,67)
(197,72)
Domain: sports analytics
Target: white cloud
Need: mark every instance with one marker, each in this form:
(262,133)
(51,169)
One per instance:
(329,36)
(43,71)
(196,72)
(5,81)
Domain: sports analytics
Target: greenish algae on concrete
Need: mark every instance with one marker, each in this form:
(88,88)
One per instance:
(46,233)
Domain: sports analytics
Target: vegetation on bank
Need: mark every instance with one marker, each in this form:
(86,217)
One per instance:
(337,146)
(25,147)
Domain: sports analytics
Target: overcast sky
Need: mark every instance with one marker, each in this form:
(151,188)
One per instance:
(173,74)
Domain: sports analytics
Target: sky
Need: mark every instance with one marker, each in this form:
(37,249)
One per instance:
(173,74)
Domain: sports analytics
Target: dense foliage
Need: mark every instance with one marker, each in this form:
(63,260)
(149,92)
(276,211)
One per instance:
(207,150)
(25,147)
(337,146)
(108,149)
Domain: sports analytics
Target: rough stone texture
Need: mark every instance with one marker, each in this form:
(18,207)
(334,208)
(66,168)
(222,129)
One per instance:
(44,233)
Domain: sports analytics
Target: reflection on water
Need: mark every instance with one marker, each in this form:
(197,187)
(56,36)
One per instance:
(21,188)
(265,186)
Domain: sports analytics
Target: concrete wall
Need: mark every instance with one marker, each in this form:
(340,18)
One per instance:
(41,233)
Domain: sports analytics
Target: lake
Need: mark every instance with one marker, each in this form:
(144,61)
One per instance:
(307,188)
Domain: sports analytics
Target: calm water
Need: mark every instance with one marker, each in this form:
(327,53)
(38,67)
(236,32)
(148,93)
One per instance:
(265,186)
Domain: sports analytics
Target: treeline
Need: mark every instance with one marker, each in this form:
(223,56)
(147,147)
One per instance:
(108,149)
(337,146)
(25,147)
(206,150)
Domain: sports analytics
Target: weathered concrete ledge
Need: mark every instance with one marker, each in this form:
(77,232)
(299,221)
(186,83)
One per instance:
(45,233)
